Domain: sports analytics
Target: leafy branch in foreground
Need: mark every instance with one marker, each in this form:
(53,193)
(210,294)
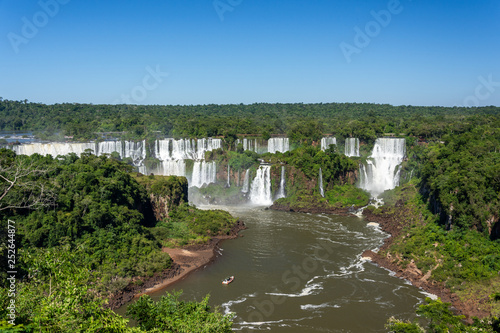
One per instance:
(170,314)
(56,295)
(20,187)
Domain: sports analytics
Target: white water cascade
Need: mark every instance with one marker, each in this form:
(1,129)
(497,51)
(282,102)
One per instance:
(246,181)
(252,145)
(134,150)
(352,147)
(173,153)
(382,170)
(170,149)
(204,173)
(260,190)
(281,192)
(228,179)
(326,142)
(54,148)
(321,190)
(278,145)
(248,144)
(171,168)
(108,147)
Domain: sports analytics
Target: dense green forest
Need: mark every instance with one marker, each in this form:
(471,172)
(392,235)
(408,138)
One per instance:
(298,121)
(338,175)
(86,228)
(448,203)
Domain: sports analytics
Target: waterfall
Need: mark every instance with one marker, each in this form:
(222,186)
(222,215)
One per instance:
(260,190)
(252,145)
(246,181)
(173,153)
(172,168)
(326,142)
(321,190)
(108,147)
(162,149)
(182,149)
(204,173)
(249,144)
(54,148)
(382,170)
(352,147)
(136,151)
(170,152)
(204,145)
(281,192)
(278,145)
(185,149)
(228,180)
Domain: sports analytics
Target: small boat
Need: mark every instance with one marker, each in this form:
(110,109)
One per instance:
(228,280)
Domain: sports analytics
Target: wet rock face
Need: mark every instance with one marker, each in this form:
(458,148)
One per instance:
(160,206)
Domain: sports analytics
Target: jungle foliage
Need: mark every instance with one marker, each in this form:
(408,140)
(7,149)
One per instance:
(439,318)
(96,236)
(463,176)
(301,122)
(338,175)
(59,295)
(170,314)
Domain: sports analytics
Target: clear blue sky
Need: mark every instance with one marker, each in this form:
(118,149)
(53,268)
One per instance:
(427,53)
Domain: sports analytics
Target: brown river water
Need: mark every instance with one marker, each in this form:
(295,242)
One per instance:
(299,272)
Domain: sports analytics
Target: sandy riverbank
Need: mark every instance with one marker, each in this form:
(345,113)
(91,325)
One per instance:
(185,261)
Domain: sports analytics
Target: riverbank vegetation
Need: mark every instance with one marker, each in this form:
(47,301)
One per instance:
(437,317)
(94,232)
(338,175)
(448,213)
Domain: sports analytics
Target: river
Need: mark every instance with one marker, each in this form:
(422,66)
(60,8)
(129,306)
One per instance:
(299,272)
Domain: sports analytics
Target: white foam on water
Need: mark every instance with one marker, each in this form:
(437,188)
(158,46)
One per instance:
(306,291)
(357,266)
(431,296)
(227,305)
(318,306)
(368,280)
(258,325)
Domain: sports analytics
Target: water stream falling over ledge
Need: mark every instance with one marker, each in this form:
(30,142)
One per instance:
(260,190)
(321,190)
(281,192)
(246,182)
(327,141)
(383,166)
(351,147)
